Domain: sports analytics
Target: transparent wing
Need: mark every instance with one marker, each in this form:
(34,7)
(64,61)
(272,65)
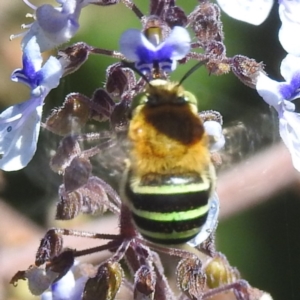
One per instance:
(210,224)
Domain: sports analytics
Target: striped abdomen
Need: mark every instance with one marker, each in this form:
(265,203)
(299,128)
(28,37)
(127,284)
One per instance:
(169,209)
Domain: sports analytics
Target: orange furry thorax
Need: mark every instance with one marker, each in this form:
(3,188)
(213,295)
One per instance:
(167,139)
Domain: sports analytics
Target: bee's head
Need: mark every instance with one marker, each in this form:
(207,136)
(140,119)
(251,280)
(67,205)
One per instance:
(160,92)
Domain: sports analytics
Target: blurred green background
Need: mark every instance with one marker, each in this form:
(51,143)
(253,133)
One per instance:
(264,241)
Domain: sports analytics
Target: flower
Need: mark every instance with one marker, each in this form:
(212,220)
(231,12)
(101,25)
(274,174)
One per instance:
(20,124)
(53,26)
(251,11)
(67,288)
(145,52)
(281,95)
(289,13)
(214,130)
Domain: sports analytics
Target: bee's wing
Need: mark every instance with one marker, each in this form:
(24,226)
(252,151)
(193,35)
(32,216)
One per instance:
(210,224)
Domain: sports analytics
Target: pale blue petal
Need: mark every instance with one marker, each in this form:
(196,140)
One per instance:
(78,288)
(69,6)
(250,11)
(51,73)
(32,54)
(289,66)
(62,289)
(131,42)
(19,130)
(289,129)
(178,41)
(288,40)
(268,89)
(46,296)
(44,41)
(54,25)
(32,62)
(289,13)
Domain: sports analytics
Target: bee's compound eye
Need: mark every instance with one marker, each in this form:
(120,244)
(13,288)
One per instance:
(189,97)
(181,99)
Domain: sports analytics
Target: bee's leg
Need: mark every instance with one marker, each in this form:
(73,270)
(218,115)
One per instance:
(212,122)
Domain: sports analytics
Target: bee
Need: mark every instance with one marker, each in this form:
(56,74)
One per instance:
(169,181)
(170,178)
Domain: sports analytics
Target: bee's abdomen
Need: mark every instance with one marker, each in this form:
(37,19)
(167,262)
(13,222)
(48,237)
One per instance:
(169,209)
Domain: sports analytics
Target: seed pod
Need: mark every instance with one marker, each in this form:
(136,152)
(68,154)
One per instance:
(77,173)
(102,105)
(190,278)
(106,284)
(219,272)
(144,282)
(90,198)
(51,245)
(61,263)
(68,148)
(71,116)
(246,69)
(73,57)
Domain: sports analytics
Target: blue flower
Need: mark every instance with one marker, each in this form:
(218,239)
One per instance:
(53,26)
(67,288)
(281,95)
(20,124)
(136,47)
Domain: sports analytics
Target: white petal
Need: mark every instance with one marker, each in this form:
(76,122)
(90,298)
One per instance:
(33,53)
(19,131)
(52,72)
(52,27)
(290,65)
(39,280)
(289,38)
(214,130)
(69,6)
(44,42)
(78,289)
(179,40)
(131,40)
(250,11)
(289,11)
(62,289)
(268,90)
(289,129)
(46,296)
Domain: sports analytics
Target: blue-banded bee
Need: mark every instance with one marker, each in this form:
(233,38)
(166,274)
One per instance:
(170,178)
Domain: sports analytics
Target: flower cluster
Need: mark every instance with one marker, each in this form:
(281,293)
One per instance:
(279,95)
(20,124)
(153,53)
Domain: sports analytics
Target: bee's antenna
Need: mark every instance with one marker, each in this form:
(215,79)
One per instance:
(192,70)
(131,66)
